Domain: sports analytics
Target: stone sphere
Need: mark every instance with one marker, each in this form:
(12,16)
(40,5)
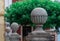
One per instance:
(39,15)
(8,29)
(7,24)
(14,26)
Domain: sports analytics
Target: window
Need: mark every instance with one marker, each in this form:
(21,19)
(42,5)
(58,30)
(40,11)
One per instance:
(14,0)
(8,3)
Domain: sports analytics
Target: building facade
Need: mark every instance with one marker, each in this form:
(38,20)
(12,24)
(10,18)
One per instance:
(9,2)
(3,5)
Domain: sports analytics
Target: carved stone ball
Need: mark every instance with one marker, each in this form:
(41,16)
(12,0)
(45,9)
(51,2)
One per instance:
(7,24)
(39,15)
(14,26)
(8,29)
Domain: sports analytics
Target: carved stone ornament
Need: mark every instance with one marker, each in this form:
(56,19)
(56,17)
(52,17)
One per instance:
(39,17)
(14,36)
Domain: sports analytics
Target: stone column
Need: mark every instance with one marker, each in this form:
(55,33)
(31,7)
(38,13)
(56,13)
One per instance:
(1,20)
(7,33)
(14,36)
(39,17)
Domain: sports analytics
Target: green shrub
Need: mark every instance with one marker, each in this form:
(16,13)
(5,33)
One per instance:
(20,12)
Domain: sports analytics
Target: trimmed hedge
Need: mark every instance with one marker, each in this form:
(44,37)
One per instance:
(20,12)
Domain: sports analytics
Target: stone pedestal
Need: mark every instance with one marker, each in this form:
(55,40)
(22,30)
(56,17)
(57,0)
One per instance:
(14,36)
(39,17)
(8,33)
(39,35)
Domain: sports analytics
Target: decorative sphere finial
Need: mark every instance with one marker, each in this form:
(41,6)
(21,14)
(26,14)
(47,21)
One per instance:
(39,15)
(14,26)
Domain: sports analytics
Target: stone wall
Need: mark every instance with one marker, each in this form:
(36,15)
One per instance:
(1,20)
(1,28)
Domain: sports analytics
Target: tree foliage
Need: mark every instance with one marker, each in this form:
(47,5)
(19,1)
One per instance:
(20,12)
